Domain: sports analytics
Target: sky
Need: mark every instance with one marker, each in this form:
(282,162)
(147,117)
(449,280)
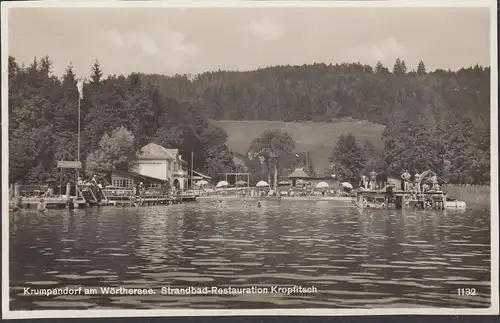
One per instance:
(194,40)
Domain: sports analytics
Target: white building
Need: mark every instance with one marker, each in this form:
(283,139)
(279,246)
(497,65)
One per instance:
(162,163)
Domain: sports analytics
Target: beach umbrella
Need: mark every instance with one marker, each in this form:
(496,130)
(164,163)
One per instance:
(262,184)
(201,183)
(347,185)
(322,185)
(241,183)
(222,184)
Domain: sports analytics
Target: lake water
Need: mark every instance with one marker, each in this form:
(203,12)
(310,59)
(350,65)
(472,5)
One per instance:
(354,258)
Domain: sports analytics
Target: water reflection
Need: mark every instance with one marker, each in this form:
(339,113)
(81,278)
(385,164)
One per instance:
(356,258)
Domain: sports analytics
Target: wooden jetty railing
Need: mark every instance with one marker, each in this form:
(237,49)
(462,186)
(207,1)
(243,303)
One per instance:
(152,196)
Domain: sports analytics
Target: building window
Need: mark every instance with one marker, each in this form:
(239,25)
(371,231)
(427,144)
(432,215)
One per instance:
(122,182)
(169,165)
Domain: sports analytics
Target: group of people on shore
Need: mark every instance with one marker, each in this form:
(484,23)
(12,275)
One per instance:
(418,184)
(368,182)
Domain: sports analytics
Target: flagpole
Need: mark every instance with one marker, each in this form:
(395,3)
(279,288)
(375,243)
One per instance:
(80,92)
(78,153)
(192,166)
(79,102)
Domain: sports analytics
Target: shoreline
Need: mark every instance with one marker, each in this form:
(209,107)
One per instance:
(277,198)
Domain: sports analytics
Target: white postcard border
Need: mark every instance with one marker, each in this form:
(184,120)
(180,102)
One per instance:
(7,314)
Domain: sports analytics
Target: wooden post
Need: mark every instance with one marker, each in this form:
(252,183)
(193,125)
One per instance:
(68,190)
(360,200)
(17,190)
(75,204)
(60,183)
(275,186)
(192,167)
(399,202)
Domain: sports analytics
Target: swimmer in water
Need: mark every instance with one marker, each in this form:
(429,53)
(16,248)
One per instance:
(42,206)
(258,204)
(13,207)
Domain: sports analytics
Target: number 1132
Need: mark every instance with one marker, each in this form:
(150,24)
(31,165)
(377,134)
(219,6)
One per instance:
(466,291)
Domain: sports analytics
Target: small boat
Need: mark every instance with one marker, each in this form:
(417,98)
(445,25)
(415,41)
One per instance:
(455,204)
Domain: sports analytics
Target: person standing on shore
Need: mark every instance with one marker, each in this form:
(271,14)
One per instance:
(364,181)
(373,180)
(416,179)
(435,182)
(406,179)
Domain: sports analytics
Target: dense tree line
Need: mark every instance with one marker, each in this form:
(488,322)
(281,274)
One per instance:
(438,119)
(43,121)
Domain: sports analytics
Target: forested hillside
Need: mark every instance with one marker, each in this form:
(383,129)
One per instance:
(320,92)
(432,118)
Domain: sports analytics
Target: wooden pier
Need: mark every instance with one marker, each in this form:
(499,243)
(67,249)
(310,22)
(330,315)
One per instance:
(398,199)
(93,196)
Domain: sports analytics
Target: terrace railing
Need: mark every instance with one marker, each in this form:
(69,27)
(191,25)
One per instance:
(130,192)
(33,190)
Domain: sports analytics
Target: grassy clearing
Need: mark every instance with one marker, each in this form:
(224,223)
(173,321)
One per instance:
(469,194)
(316,138)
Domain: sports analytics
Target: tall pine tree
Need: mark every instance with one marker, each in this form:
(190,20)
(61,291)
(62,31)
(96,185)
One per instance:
(399,67)
(421,68)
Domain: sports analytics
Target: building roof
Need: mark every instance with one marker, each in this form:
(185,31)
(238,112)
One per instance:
(154,151)
(298,173)
(201,175)
(136,175)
